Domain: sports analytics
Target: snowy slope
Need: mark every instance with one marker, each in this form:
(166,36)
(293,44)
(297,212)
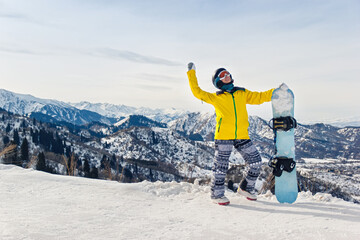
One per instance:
(36,205)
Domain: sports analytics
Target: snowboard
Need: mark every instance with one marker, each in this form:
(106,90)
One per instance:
(283,162)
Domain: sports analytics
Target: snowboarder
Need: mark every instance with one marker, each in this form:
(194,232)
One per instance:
(231,130)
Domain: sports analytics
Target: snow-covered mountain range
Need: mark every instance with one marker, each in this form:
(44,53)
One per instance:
(78,113)
(119,111)
(48,110)
(162,145)
(317,140)
(85,112)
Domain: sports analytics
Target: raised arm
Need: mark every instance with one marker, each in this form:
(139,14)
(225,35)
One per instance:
(196,90)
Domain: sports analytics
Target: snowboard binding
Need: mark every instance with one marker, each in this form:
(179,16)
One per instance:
(279,164)
(283,123)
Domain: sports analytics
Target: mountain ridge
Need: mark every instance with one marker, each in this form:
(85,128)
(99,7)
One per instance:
(79,113)
(318,140)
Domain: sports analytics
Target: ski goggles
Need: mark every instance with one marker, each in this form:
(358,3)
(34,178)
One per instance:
(223,74)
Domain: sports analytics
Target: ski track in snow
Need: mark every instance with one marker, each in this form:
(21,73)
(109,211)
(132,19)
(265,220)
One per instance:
(37,205)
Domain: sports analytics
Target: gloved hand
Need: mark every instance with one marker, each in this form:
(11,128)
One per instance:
(191,66)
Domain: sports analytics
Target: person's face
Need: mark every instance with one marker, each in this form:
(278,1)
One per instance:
(225,77)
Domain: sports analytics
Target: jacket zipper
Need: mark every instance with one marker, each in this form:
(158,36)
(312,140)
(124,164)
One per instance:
(219,124)
(235,115)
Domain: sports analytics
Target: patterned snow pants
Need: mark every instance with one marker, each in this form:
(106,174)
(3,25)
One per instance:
(223,150)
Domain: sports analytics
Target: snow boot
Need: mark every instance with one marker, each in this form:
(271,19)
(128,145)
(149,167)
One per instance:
(221,201)
(250,195)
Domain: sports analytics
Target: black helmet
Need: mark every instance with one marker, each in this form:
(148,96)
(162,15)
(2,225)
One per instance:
(216,81)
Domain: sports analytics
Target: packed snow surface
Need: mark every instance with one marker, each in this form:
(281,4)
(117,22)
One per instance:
(37,205)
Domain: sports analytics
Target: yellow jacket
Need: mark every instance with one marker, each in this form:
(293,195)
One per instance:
(231,114)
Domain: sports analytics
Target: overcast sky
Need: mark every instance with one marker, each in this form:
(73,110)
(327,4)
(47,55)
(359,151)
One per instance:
(136,52)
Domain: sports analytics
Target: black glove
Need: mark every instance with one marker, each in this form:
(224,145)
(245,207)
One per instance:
(191,66)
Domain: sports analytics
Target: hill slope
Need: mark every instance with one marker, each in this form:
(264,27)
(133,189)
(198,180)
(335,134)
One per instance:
(37,205)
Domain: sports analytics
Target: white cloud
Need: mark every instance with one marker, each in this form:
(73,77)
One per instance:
(132,56)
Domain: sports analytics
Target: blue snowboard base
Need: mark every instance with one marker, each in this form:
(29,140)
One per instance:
(286,189)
